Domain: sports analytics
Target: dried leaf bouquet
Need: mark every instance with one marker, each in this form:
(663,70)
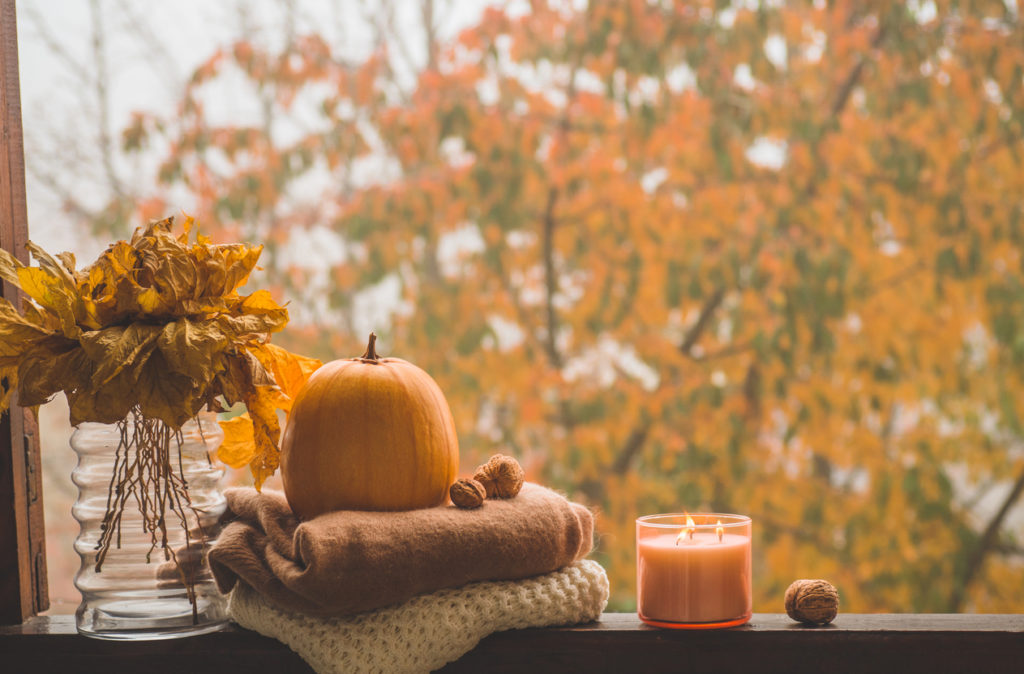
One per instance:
(150,334)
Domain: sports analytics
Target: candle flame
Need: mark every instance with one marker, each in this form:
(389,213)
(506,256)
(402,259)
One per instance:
(688,530)
(720,530)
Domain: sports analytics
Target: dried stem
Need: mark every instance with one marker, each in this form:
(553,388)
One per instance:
(143,471)
(371,349)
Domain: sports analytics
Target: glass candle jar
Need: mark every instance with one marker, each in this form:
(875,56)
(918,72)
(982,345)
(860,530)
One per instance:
(693,570)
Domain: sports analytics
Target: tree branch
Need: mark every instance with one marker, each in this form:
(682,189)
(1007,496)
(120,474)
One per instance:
(752,389)
(986,544)
(1009,549)
(42,32)
(513,294)
(152,43)
(430,30)
(106,142)
(549,222)
(68,200)
(851,81)
(594,489)
(854,76)
(550,279)
(711,305)
(732,349)
(634,443)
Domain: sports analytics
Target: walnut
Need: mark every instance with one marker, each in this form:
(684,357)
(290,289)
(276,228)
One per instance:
(467,493)
(502,476)
(814,602)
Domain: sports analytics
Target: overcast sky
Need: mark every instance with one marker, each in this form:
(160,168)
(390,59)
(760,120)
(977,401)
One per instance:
(151,48)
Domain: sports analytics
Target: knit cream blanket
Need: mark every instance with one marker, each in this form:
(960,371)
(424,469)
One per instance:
(430,630)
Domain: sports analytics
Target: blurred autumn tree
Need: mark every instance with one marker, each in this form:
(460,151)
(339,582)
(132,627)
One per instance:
(747,258)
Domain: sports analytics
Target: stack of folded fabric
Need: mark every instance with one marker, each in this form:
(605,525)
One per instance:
(406,591)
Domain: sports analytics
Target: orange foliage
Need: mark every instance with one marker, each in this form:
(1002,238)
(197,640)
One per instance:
(649,316)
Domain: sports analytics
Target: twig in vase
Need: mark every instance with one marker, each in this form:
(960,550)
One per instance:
(143,470)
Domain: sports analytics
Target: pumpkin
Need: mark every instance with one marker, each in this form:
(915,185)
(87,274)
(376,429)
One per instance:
(368,433)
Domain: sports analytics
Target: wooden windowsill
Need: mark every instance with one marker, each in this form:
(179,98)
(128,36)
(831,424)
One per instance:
(617,643)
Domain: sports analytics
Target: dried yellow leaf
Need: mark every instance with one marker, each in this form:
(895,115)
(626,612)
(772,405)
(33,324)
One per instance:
(43,370)
(239,445)
(150,301)
(169,396)
(290,371)
(154,323)
(16,334)
(266,434)
(117,347)
(193,349)
(50,293)
(9,266)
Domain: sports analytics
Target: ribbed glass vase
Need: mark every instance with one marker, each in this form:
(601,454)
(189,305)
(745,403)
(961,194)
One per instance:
(149,505)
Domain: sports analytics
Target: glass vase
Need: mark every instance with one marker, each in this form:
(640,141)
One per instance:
(147,522)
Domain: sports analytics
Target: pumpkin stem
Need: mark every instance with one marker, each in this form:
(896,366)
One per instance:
(371,353)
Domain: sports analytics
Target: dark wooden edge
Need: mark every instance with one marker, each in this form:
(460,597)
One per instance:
(616,643)
(23,590)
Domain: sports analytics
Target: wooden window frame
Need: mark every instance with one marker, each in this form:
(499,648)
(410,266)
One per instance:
(618,642)
(23,590)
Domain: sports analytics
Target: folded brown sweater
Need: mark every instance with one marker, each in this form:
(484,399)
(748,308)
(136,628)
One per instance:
(352,561)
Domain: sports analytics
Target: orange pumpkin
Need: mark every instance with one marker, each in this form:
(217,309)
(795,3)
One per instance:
(368,433)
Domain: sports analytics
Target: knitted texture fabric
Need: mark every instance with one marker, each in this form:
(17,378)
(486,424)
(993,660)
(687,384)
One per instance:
(350,561)
(429,630)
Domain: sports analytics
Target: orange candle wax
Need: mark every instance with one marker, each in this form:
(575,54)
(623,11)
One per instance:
(696,574)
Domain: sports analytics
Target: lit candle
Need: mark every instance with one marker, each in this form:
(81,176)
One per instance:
(693,571)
